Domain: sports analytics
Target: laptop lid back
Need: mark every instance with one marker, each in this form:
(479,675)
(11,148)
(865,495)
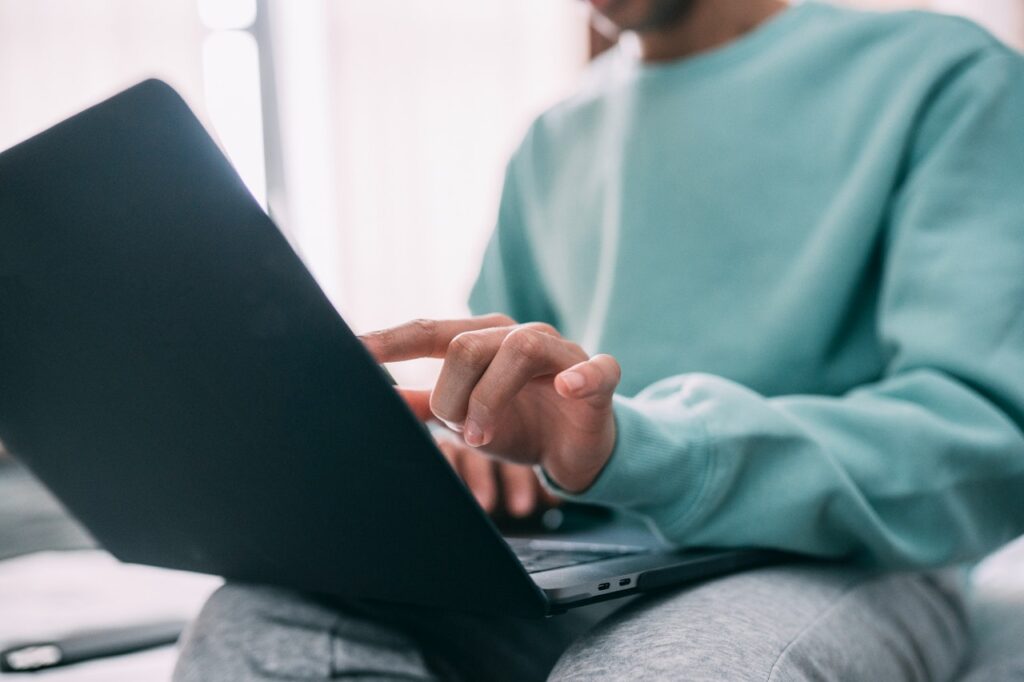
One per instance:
(171,370)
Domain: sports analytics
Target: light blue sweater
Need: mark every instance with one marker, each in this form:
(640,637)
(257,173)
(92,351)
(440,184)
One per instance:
(806,249)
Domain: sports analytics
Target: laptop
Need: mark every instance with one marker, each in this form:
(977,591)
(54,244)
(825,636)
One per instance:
(172,372)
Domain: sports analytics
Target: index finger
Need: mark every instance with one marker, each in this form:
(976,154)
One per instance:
(425,338)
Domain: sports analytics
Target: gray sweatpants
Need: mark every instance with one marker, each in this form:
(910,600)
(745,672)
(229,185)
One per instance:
(781,623)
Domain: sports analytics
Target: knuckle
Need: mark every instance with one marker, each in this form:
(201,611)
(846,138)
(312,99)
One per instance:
(480,408)
(383,339)
(466,348)
(524,342)
(576,349)
(543,328)
(499,320)
(424,328)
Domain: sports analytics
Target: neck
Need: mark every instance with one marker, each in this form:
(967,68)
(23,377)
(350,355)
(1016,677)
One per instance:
(707,25)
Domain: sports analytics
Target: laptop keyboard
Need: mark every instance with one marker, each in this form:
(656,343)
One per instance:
(545,555)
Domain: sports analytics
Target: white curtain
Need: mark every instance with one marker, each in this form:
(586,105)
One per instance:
(58,56)
(1005,18)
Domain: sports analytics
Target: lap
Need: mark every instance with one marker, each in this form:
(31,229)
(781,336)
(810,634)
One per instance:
(264,633)
(783,623)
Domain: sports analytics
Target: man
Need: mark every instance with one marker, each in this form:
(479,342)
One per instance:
(799,232)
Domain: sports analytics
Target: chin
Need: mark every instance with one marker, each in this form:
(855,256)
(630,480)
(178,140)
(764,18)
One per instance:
(622,15)
(638,15)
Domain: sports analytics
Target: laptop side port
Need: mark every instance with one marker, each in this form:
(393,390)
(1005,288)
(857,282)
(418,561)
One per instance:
(625,581)
(604,586)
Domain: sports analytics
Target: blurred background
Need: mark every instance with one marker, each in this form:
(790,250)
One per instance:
(375,131)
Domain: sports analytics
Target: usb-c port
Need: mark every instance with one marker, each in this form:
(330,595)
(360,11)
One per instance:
(604,586)
(625,581)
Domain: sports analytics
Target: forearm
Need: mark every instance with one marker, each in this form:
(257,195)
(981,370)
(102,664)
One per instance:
(916,470)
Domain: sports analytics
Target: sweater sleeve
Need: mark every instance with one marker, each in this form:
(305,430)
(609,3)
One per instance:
(924,467)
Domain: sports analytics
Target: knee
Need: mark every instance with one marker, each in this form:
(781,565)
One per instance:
(240,631)
(240,608)
(228,607)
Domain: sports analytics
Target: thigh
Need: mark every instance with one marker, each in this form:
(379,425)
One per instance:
(782,623)
(474,647)
(263,633)
(256,633)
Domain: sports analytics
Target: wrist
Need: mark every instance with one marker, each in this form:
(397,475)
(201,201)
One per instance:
(575,470)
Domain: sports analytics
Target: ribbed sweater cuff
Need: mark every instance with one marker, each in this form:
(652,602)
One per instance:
(653,465)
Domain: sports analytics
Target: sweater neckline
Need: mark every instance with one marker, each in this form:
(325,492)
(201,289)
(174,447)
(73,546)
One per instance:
(738,50)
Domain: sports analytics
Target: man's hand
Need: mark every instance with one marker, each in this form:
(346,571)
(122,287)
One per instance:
(499,487)
(520,391)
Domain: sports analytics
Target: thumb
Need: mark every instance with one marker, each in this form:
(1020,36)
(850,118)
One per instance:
(418,401)
(593,380)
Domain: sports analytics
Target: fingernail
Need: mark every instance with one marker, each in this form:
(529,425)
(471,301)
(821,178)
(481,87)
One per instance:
(574,380)
(472,433)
